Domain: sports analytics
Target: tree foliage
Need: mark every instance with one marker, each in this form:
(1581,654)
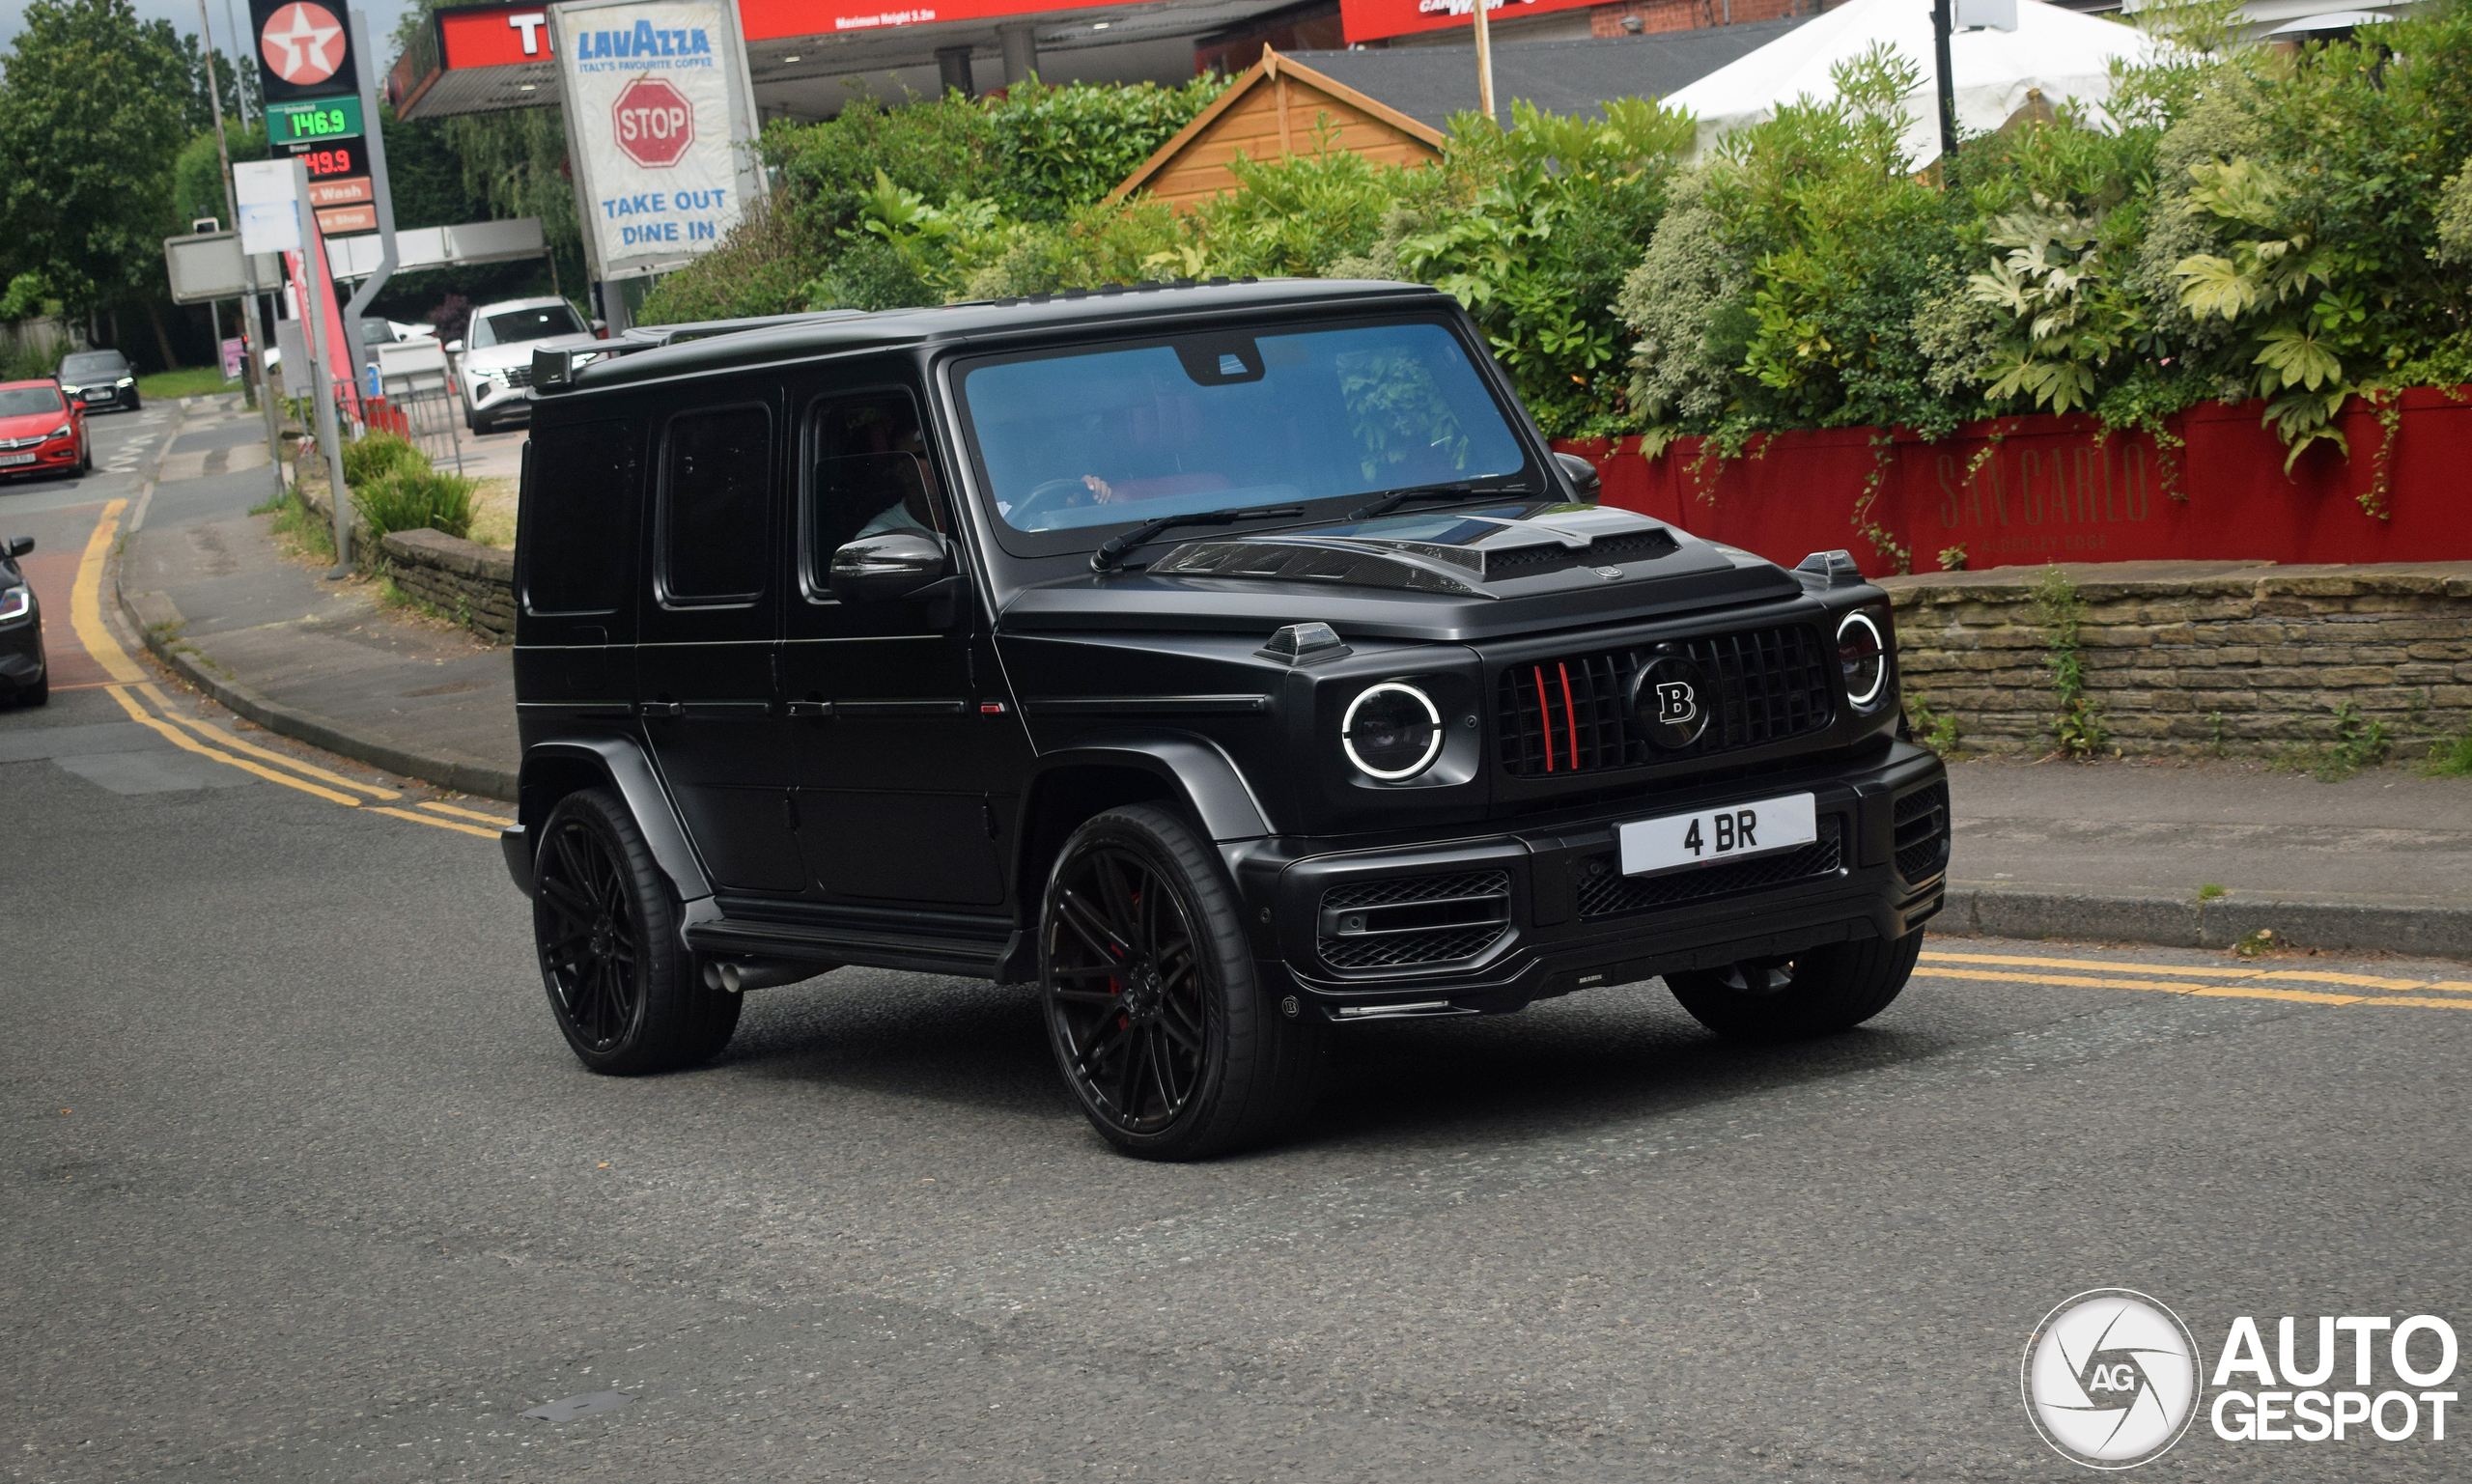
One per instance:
(95,108)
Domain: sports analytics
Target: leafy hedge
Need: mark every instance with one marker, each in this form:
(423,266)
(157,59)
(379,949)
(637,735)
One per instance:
(2293,226)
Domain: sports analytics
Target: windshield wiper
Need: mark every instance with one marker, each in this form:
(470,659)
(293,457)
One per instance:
(1111,551)
(1459,491)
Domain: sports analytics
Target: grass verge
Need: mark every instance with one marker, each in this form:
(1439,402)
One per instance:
(192,382)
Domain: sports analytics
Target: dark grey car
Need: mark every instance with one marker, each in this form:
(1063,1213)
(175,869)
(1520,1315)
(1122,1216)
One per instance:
(25,672)
(103,377)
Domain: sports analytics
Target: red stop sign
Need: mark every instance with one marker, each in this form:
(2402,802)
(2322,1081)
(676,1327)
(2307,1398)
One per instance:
(656,123)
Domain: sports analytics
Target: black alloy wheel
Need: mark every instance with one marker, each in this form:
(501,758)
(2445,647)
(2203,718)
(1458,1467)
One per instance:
(1817,992)
(604,920)
(1153,1009)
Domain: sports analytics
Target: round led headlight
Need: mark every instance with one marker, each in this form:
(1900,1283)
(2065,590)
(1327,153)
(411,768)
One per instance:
(1391,732)
(1862,657)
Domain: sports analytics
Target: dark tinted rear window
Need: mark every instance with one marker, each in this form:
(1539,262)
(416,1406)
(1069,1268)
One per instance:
(716,505)
(579,519)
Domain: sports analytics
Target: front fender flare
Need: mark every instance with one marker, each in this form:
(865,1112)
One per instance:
(1195,769)
(620,763)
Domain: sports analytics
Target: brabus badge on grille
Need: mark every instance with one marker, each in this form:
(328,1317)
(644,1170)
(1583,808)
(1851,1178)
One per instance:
(1665,702)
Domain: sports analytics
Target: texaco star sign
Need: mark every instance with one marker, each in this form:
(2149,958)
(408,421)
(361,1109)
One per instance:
(303,43)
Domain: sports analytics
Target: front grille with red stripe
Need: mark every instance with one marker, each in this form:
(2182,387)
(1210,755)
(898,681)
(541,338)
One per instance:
(1567,715)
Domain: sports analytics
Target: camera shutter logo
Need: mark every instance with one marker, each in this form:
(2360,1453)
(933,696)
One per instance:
(2111,1379)
(1669,701)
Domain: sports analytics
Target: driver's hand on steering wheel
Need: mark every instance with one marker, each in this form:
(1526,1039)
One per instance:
(1100,491)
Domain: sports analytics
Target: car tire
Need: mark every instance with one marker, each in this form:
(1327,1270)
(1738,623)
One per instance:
(86,460)
(1171,1044)
(1817,992)
(480,429)
(39,693)
(604,920)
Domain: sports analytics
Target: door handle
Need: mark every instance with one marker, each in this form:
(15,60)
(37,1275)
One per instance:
(664,709)
(809,708)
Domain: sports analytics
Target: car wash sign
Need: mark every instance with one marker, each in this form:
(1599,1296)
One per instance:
(661,121)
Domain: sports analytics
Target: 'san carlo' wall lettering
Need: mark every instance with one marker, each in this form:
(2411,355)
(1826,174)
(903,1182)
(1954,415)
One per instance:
(2051,498)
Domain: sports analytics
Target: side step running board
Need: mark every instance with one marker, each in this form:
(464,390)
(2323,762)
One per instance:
(971,955)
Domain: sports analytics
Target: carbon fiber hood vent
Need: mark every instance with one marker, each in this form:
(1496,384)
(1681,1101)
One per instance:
(1461,555)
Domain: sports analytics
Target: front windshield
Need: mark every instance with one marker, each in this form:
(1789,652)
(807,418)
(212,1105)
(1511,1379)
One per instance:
(28,401)
(509,326)
(104,363)
(1218,422)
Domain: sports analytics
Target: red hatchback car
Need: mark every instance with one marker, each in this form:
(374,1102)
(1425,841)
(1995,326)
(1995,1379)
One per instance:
(42,430)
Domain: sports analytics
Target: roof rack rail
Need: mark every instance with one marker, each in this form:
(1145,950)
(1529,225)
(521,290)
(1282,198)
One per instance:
(555,370)
(1105,291)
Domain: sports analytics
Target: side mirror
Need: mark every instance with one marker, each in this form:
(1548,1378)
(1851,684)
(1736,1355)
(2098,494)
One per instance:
(454,348)
(897,564)
(77,404)
(601,328)
(1582,476)
(19,546)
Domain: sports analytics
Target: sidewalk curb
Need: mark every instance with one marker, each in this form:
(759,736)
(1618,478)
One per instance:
(2306,921)
(151,615)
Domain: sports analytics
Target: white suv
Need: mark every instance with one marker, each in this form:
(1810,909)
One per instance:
(494,359)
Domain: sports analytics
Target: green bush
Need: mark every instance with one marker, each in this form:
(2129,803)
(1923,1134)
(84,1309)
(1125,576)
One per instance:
(378,457)
(885,206)
(409,499)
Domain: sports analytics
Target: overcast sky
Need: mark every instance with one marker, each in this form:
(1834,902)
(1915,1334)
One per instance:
(222,13)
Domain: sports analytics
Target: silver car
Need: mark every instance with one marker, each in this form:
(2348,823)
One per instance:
(493,362)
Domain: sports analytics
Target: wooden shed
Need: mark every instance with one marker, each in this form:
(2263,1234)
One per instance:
(1277,108)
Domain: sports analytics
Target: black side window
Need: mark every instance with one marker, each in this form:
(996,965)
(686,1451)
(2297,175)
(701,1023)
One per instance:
(716,477)
(871,475)
(579,519)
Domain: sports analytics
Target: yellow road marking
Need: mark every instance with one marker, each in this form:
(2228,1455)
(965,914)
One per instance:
(86,618)
(2191,970)
(425,818)
(469,814)
(163,703)
(183,741)
(2194,991)
(86,601)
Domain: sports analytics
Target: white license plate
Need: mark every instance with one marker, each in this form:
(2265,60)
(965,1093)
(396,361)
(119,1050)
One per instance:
(7,459)
(1735,832)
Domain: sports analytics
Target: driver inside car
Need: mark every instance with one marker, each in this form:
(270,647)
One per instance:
(915,510)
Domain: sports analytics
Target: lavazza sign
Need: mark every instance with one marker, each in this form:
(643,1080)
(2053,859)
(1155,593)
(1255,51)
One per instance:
(658,107)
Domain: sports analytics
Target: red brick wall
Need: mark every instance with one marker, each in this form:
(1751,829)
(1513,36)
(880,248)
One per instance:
(1688,15)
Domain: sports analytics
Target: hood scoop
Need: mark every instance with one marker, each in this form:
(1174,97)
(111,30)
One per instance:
(1467,556)
(1338,560)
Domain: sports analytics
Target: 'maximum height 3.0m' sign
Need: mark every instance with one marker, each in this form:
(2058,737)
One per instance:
(659,118)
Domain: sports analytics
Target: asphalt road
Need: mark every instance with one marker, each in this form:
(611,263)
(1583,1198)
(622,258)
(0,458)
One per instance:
(301,1184)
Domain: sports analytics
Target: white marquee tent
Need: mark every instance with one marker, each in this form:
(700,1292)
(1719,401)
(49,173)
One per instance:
(2067,55)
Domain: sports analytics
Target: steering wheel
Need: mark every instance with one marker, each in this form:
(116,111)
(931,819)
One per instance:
(1047,496)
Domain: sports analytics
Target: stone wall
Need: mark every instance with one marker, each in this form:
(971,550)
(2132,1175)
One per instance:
(2199,659)
(464,580)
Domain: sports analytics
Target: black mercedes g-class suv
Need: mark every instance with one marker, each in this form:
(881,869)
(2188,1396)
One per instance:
(1233,661)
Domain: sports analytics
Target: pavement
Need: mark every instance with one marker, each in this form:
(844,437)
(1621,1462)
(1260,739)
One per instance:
(2115,850)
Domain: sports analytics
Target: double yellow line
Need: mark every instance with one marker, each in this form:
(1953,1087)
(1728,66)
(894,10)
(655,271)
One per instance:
(130,687)
(2203,981)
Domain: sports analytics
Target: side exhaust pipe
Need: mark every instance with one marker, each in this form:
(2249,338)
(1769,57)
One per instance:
(733,976)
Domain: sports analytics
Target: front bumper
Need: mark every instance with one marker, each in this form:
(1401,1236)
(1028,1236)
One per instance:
(21,653)
(1488,923)
(49,459)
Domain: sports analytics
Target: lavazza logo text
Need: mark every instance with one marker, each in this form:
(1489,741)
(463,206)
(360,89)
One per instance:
(2113,1378)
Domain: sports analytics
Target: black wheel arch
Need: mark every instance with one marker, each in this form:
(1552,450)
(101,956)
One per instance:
(1185,773)
(552,770)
